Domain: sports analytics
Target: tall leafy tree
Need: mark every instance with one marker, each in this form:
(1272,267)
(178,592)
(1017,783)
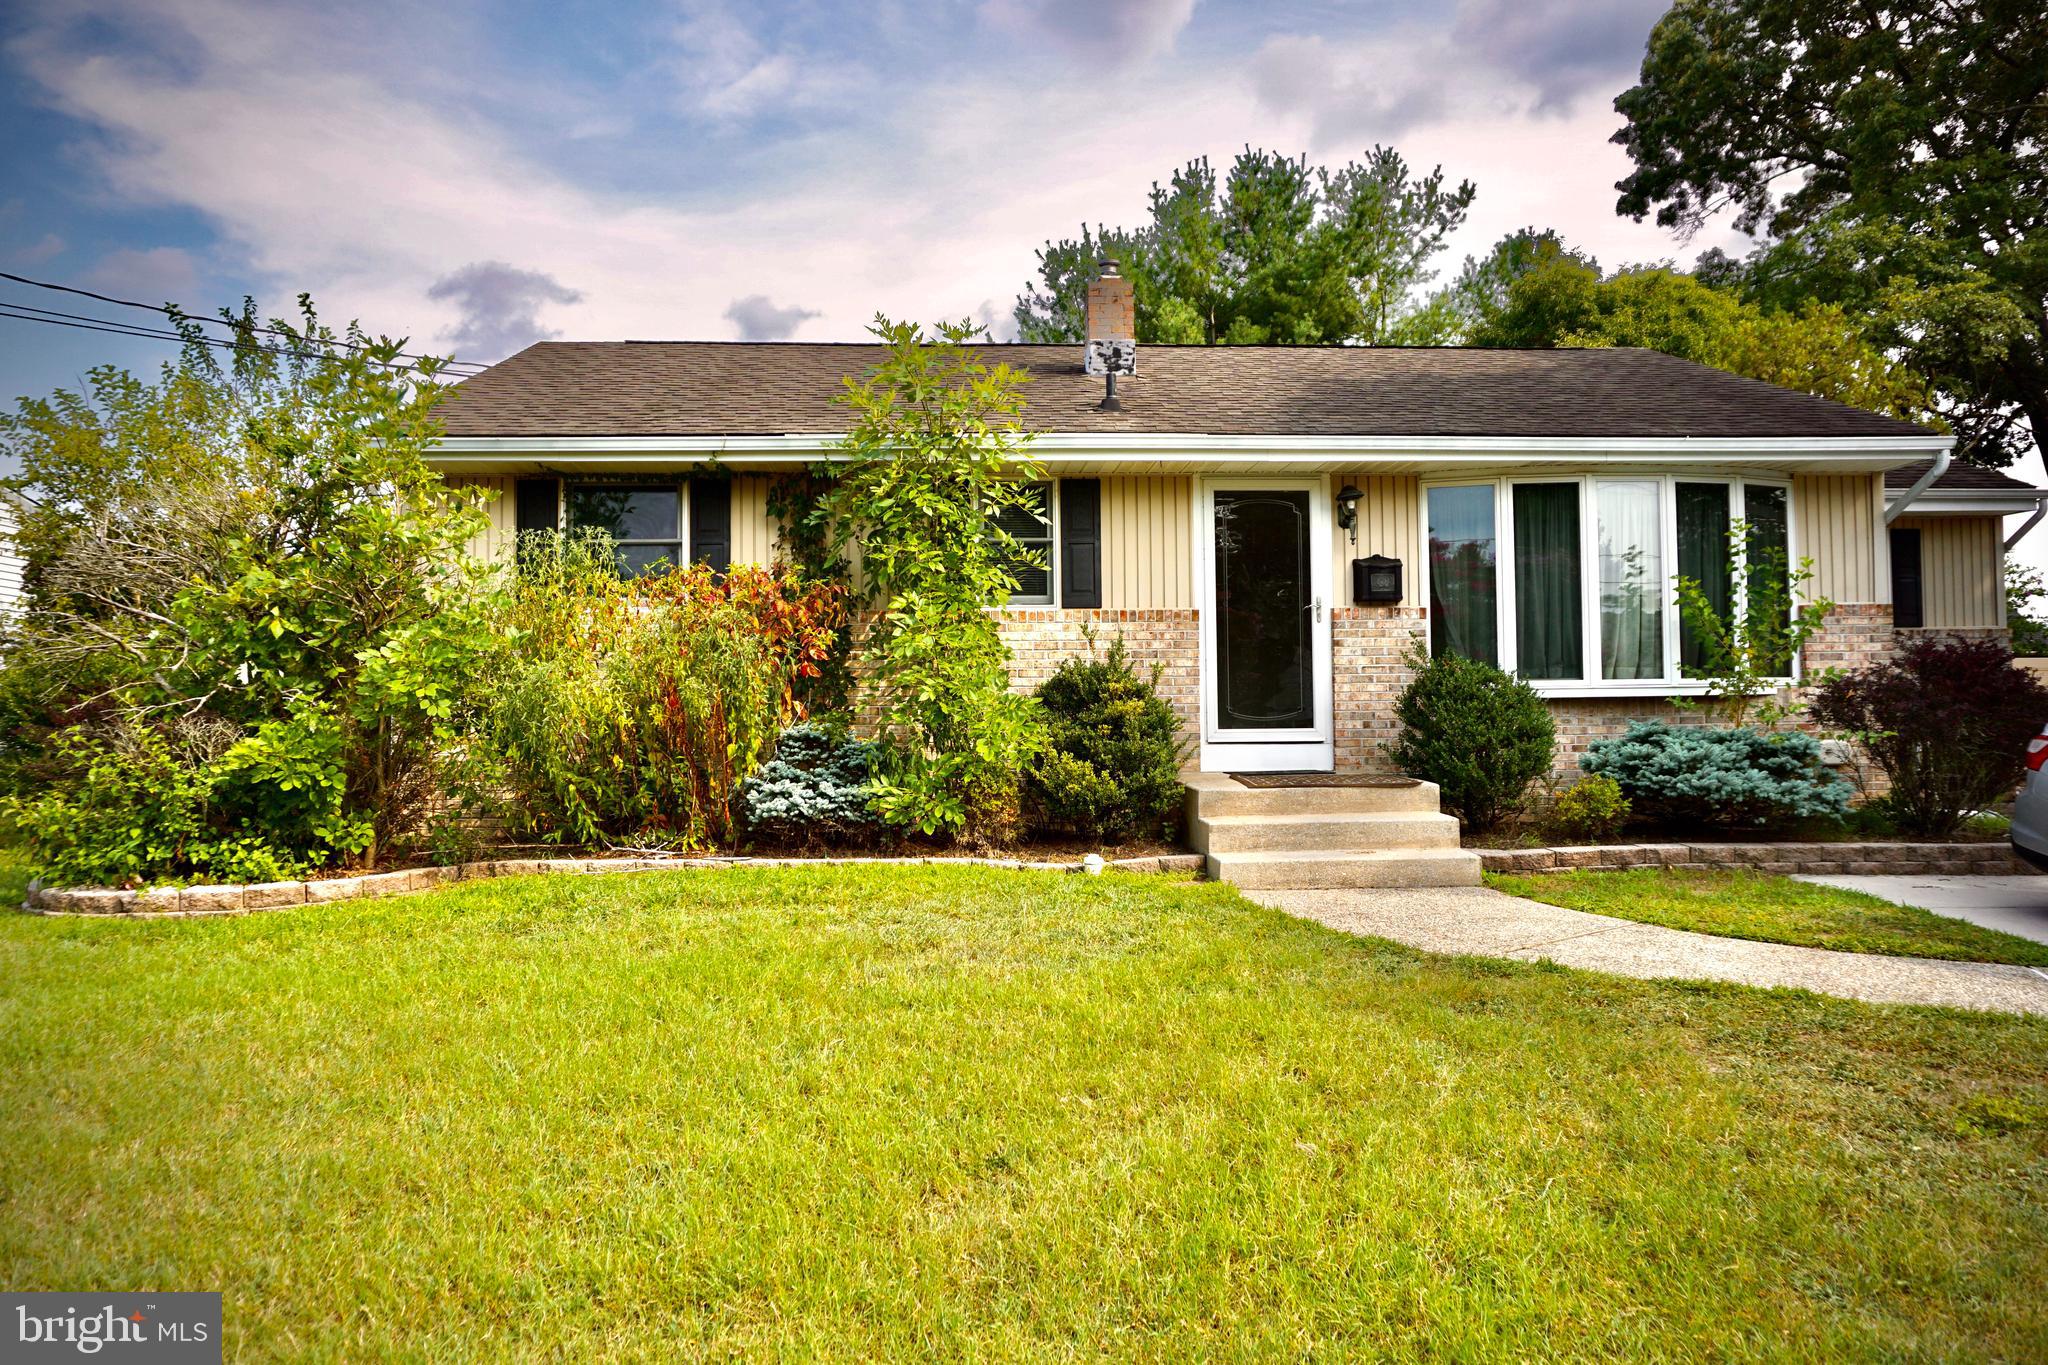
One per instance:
(1818,348)
(1281,253)
(1897,155)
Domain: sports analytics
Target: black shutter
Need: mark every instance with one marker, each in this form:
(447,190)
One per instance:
(1908,602)
(711,523)
(539,508)
(1080,542)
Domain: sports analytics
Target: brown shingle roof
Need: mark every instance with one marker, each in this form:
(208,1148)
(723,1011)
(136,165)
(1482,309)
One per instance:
(1957,475)
(709,388)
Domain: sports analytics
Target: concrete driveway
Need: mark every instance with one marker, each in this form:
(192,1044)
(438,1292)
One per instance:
(2017,905)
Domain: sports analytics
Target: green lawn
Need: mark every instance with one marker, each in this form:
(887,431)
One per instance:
(899,1113)
(1741,904)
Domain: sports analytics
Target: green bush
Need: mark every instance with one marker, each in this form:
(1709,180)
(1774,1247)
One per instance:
(1477,733)
(1111,766)
(129,809)
(1678,776)
(632,709)
(816,789)
(1592,808)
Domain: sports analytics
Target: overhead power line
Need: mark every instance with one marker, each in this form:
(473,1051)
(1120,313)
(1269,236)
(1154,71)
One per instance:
(8,310)
(175,311)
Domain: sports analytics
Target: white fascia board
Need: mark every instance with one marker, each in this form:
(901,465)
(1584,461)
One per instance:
(1055,448)
(1975,502)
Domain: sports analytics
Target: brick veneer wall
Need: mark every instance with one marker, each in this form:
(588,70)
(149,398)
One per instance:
(1039,637)
(1370,646)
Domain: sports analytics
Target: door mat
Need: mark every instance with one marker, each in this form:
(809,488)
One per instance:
(1319,780)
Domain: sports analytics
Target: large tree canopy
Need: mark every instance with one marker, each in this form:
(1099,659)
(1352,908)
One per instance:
(1899,158)
(1285,253)
(1558,299)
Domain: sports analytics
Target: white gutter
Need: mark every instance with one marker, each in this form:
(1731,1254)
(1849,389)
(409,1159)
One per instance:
(1899,449)
(1921,485)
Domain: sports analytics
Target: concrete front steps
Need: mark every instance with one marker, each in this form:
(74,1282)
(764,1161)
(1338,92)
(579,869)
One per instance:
(1324,838)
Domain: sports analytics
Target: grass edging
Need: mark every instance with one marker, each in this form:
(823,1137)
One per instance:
(183,902)
(1743,903)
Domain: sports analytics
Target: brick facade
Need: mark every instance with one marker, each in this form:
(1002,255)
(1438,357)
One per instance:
(1039,637)
(1370,646)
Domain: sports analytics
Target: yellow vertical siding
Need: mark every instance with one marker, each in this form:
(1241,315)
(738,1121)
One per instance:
(1389,523)
(1148,543)
(1837,522)
(503,533)
(1962,566)
(754,532)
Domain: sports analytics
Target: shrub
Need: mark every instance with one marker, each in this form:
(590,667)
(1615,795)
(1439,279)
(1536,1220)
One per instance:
(1948,721)
(934,456)
(1477,733)
(1111,766)
(633,708)
(1591,808)
(129,808)
(1679,775)
(256,547)
(816,789)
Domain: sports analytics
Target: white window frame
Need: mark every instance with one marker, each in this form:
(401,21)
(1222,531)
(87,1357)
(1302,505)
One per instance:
(1052,550)
(1590,683)
(681,488)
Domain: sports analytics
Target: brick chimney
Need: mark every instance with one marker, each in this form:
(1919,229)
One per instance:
(1112,306)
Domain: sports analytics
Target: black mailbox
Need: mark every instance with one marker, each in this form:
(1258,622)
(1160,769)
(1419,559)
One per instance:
(1376,579)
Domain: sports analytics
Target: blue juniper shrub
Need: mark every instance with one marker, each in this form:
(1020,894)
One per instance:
(1688,775)
(816,789)
(1477,733)
(1111,765)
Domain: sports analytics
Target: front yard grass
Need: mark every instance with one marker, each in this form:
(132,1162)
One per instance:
(906,1112)
(1739,903)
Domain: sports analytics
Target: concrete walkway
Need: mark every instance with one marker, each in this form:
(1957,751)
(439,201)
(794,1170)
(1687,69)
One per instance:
(1484,922)
(2015,905)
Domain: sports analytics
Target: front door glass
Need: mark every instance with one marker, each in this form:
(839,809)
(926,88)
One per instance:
(1265,675)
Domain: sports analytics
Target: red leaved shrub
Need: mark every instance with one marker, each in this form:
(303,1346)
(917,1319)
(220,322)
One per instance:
(1947,719)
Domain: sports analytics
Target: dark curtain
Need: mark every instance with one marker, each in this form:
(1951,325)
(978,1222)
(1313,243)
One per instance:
(1548,630)
(1463,606)
(1703,557)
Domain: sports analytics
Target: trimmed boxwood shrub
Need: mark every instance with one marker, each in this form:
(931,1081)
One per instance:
(1111,765)
(814,790)
(1948,721)
(1741,778)
(1477,733)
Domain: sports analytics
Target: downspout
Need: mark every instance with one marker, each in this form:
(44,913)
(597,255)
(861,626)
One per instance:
(2040,510)
(1926,481)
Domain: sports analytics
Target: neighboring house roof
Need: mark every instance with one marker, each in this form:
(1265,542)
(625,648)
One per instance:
(1973,477)
(708,388)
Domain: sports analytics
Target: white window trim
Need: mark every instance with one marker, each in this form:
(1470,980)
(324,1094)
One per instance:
(1590,684)
(1052,554)
(682,491)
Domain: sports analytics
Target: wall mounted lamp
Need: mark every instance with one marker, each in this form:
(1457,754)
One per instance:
(1347,509)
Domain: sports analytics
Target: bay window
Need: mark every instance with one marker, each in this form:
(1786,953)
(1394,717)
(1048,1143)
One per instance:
(1589,598)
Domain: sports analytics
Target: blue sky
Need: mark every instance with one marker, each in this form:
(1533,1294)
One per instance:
(478,176)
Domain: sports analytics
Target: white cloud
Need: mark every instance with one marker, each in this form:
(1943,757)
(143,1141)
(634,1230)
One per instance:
(1364,91)
(162,274)
(729,73)
(1111,32)
(760,320)
(35,253)
(500,307)
(343,178)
